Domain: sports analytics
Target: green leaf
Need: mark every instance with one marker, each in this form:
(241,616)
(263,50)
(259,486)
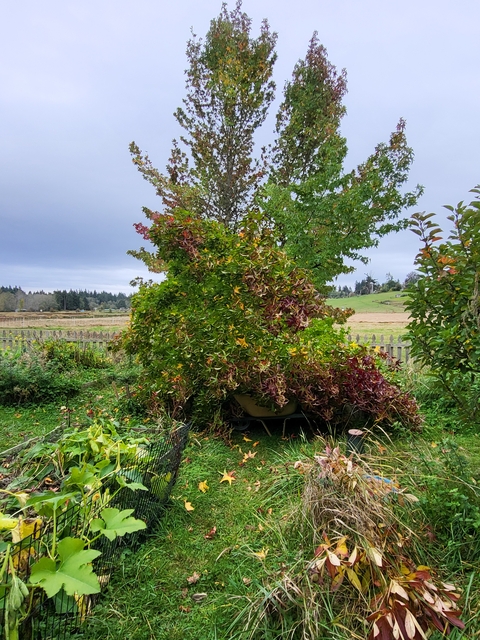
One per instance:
(73,572)
(113,523)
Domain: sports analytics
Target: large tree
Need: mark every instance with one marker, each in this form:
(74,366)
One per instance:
(229,90)
(320,213)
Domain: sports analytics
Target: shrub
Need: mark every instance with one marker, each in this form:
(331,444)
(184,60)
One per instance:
(27,377)
(444,304)
(235,315)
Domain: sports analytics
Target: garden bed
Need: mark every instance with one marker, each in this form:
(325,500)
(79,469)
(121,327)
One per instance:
(60,552)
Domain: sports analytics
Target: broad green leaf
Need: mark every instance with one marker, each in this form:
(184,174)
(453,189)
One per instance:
(113,523)
(73,572)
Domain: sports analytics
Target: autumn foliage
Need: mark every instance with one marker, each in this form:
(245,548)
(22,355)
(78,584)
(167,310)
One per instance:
(235,315)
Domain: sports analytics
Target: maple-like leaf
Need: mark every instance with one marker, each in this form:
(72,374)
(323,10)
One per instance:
(73,572)
(227,477)
(247,456)
(189,506)
(113,523)
(203,486)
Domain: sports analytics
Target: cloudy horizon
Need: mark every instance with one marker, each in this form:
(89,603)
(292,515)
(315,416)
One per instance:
(80,81)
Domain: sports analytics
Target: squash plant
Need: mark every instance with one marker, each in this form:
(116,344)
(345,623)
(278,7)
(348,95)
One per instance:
(86,469)
(236,315)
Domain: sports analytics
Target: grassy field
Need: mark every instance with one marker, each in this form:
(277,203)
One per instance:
(391,302)
(208,570)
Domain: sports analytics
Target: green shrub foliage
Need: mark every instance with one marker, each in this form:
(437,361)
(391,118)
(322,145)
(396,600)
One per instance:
(444,304)
(235,315)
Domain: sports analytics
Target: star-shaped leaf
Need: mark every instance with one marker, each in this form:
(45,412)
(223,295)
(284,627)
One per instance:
(227,477)
(247,456)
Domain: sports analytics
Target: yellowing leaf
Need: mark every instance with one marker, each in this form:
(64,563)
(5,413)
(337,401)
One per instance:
(261,555)
(352,576)
(203,486)
(247,439)
(247,456)
(7,522)
(375,555)
(341,549)
(189,506)
(227,477)
(241,342)
(26,527)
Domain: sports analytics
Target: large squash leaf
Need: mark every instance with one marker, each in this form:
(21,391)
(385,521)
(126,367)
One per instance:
(113,523)
(73,571)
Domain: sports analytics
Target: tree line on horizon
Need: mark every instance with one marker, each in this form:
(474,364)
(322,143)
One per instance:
(14,298)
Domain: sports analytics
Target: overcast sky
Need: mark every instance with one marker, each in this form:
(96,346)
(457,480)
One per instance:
(80,80)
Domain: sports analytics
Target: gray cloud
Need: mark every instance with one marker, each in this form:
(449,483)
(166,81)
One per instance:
(79,81)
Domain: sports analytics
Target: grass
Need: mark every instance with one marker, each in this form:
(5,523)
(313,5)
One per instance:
(390,302)
(205,568)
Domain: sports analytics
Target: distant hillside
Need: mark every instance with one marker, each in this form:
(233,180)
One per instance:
(390,302)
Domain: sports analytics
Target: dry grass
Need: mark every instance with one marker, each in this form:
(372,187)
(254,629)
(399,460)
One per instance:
(64,320)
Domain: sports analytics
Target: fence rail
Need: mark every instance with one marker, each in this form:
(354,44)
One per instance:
(399,349)
(10,338)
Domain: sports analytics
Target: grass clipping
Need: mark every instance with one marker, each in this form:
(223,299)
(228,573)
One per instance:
(358,573)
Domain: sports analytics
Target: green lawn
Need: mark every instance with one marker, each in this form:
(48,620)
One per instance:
(391,302)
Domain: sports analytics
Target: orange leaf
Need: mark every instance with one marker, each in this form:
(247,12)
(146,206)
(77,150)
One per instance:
(211,533)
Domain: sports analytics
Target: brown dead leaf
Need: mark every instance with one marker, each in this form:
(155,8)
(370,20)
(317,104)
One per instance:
(184,609)
(194,578)
(211,533)
(246,581)
(247,456)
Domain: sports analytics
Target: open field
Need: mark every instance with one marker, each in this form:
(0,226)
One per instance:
(93,321)
(378,324)
(379,314)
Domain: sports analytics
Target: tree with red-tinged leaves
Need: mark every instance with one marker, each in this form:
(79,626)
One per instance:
(321,214)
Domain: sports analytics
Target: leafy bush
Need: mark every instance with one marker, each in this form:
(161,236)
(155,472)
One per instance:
(444,304)
(235,315)
(28,377)
(66,355)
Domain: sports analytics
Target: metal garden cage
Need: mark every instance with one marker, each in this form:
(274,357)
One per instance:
(62,616)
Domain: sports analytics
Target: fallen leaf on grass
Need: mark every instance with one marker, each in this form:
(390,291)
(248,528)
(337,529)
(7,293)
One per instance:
(193,578)
(227,477)
(189,506)
(211,533)
(248,455)
(203,486)
(247,439)
(246,581)
(261,555)
(255,443)
(184,609)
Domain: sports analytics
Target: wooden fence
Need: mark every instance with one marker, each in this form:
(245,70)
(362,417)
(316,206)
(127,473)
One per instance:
(99,339)
(398,349)
(11,338)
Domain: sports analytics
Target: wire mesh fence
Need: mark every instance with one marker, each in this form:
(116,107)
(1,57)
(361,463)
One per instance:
(61,616)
